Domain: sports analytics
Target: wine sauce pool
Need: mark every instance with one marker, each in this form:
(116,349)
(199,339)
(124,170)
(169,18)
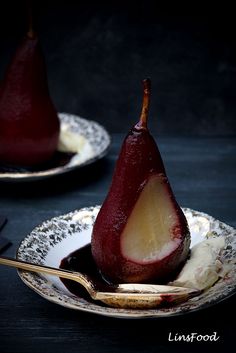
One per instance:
(82,261)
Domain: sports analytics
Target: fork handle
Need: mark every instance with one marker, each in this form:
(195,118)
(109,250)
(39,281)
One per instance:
(74,276)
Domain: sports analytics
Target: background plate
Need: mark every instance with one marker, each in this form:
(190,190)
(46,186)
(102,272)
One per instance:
(50,242)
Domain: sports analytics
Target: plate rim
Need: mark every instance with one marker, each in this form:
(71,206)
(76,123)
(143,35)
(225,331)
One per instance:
(117,312)
(52,172)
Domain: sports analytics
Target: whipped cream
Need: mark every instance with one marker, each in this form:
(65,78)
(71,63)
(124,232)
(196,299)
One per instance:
(204,267)
(70,141)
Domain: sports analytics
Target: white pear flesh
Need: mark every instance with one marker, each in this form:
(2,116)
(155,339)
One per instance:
(148,234)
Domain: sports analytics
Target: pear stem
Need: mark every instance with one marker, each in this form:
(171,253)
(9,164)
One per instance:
(146,103)
(30,33)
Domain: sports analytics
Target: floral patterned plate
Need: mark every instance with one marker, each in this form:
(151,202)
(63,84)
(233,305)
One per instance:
(93,143)
(50,242)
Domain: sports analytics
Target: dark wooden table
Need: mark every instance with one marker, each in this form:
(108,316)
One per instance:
(202,173)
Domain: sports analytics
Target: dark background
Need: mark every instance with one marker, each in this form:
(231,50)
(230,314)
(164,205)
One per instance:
(97,53)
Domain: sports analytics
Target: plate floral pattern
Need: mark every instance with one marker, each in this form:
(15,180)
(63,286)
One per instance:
(56,238)
(94,133)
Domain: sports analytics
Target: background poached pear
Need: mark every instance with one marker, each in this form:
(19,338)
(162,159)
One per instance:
(29,125)
(141,233)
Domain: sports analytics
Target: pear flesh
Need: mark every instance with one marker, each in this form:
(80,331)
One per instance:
(150,233)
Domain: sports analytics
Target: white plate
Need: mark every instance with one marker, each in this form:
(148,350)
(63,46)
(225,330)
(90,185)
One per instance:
(50,242)
(95,136)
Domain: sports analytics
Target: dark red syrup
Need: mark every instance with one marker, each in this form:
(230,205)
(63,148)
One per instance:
(82,261)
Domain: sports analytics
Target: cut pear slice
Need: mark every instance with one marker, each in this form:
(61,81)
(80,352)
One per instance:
(149,232)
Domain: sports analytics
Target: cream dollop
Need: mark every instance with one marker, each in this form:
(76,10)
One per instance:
(70,141)
(203,268)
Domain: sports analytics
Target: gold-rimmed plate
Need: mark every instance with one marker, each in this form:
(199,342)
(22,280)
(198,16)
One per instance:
(50,242)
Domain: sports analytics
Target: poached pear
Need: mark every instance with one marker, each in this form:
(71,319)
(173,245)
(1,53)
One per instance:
(140,233)
(29,125)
